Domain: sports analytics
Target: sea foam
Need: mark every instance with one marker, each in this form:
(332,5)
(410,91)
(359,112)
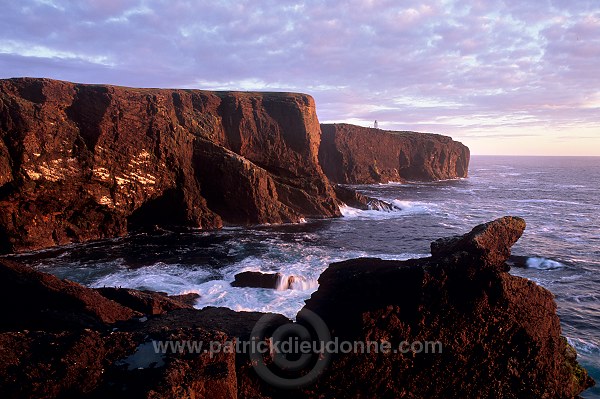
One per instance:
(543,264)
(403,208)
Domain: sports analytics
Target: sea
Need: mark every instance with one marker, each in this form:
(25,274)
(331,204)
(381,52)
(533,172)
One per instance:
(557,196)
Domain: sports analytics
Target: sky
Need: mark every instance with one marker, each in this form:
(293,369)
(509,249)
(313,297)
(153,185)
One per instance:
(518,77)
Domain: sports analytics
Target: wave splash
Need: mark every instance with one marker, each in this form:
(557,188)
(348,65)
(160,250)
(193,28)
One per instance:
(543,263)
(292,282)
(398,208)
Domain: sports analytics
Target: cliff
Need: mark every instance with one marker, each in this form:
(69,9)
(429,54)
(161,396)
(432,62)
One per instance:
(81,162)
(357,155)
(499,335)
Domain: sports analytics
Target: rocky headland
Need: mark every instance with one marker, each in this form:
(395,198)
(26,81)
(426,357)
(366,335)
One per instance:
(82,162)
(500,333)
(352,154)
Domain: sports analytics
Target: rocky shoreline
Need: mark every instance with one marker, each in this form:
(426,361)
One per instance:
(500,333)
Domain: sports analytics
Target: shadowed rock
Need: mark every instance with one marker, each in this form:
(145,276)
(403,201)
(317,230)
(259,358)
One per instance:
(499,334)
(267,280)
(360,201)
(490,334)
(257,280)
(40,301)
(148,302)
(517,261)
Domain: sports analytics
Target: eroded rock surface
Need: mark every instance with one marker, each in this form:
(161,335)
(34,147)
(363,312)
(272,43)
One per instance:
(499,334)
(81,162)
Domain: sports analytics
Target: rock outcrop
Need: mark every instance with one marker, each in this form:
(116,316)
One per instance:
(148,302)
(355,199)
(257,280)
(81,162)
(39,301)
(60,339)
(498,335)
(357,155)
(276,281)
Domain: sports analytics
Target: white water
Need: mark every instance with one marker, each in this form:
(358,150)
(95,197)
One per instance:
(404,208)
(543,263)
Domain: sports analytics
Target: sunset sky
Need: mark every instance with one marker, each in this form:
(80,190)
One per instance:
(504,77)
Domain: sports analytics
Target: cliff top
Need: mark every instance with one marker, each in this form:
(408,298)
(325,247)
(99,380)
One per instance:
(402,133)
(274,94)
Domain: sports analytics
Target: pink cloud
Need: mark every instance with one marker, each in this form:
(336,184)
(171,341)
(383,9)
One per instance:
(357,58)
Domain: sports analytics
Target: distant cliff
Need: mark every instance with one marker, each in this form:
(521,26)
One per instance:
(357,155)
(81,162)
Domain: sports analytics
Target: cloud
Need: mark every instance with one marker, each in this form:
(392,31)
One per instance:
(444,65)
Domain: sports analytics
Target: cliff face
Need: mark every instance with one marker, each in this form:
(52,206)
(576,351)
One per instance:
(499,335)
(80,162)
(357,155)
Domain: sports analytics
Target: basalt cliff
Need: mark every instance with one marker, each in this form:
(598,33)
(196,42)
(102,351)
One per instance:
(498,334)
(82,162)
(358,155)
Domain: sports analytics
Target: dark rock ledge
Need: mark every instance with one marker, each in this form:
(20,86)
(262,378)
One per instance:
(500,333)
(353,198)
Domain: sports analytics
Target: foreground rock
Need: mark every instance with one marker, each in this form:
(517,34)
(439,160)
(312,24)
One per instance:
(81,162)
(38,301)
(499,334)
(487,245)
(357,155)
(59,339)
(148,302)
